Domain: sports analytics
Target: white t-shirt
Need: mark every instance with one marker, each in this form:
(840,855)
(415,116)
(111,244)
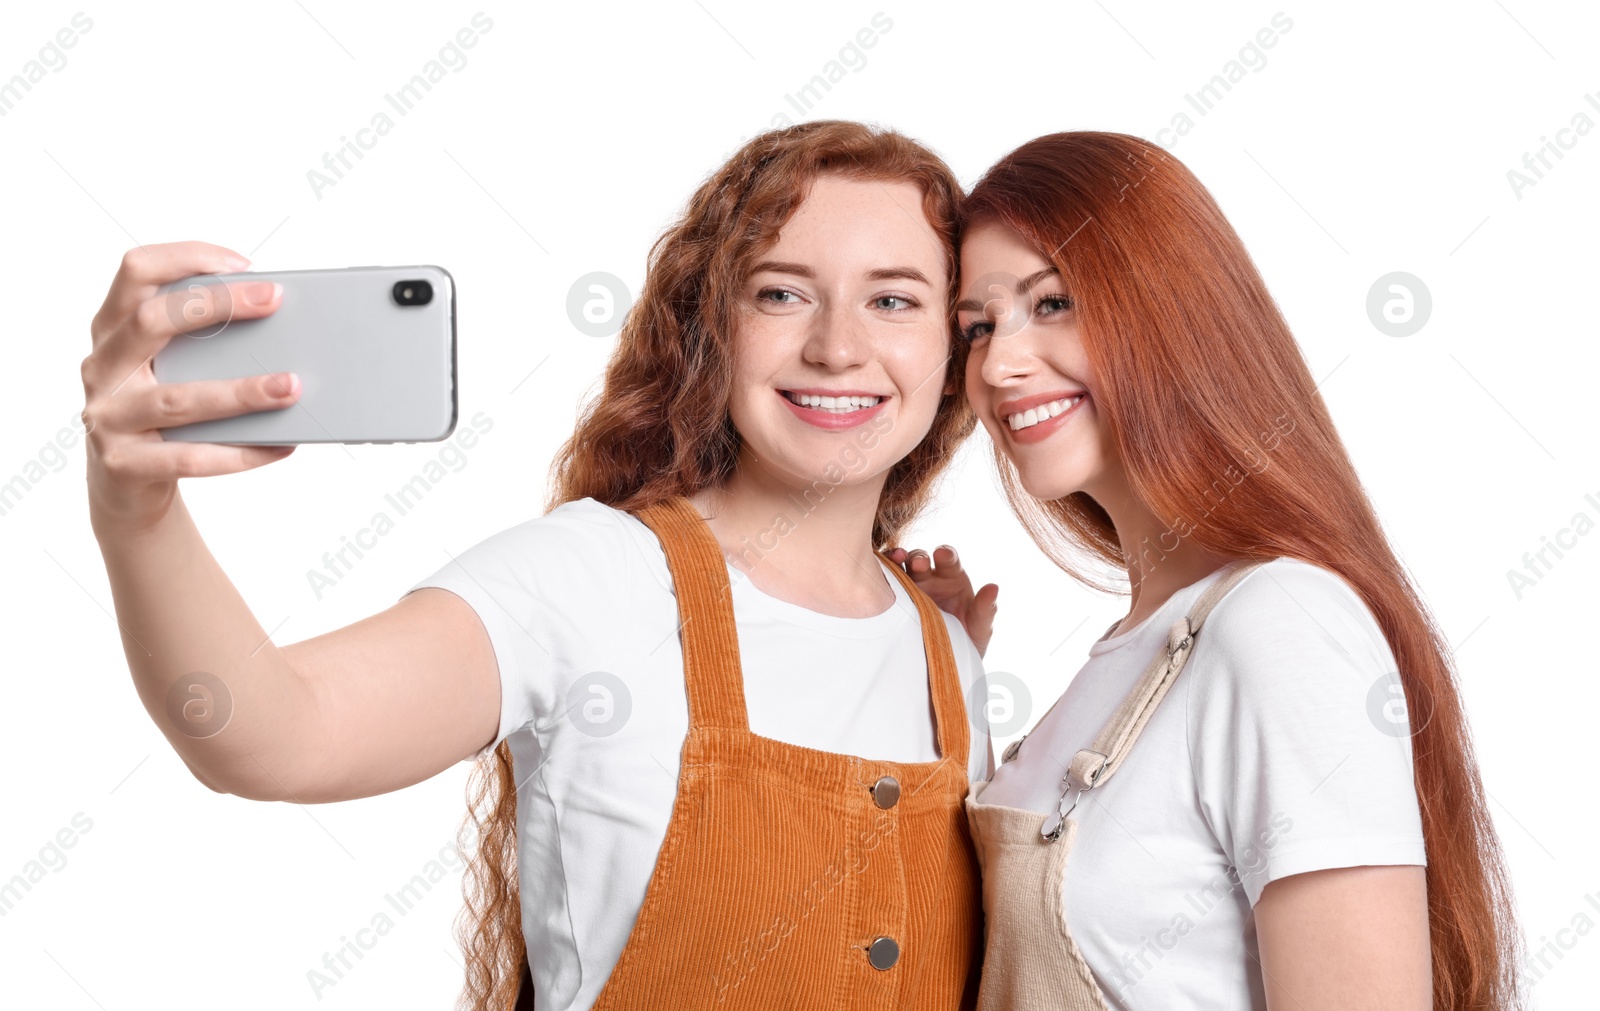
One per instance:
(578,604)
(1279,750)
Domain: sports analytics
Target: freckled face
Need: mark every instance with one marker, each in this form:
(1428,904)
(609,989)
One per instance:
(842,326)
(1028,375)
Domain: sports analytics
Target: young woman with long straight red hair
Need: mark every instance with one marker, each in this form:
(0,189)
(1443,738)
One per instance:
(1263,773)
(722,742)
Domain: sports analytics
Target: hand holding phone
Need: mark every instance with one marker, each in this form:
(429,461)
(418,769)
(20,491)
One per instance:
(132,472)
(373,347)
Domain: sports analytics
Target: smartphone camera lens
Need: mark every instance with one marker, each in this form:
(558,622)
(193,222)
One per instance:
(413,292)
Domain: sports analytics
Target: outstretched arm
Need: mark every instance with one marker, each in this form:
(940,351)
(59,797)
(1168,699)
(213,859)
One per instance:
(388,701)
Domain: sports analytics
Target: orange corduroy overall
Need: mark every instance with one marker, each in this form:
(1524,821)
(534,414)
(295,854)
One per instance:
(791,877)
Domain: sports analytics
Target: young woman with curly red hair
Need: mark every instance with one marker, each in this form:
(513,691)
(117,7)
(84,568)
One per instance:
(722,741)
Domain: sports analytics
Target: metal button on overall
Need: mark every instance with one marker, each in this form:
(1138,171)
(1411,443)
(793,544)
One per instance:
(883,953)
(886,792)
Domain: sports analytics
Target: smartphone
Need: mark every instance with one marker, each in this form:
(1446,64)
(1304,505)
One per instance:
(375,349)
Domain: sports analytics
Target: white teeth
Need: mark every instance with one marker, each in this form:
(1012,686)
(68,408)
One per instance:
(834,405)
(1044,412)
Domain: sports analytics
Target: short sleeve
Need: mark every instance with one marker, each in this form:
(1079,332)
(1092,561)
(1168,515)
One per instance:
(535,587)
(1301,760)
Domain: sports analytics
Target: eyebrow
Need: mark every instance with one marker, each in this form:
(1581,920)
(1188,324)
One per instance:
(898,273)
(976,305)
(876,274)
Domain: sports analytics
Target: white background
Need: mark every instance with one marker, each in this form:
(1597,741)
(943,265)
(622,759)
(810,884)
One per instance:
(1376,138)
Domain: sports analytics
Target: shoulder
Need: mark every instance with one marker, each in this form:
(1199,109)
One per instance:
(582,541)
(585,519)
(1292,645)
(1291,608)
(1288,586)
(1287,729)
(579,525)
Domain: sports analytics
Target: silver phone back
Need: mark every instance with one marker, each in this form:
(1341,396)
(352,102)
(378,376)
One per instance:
(371,369)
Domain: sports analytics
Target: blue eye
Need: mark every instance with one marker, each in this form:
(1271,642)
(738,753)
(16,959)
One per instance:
(768,293)
(977,329)
(905,303)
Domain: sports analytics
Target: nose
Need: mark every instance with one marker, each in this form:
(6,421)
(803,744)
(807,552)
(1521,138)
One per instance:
(1008,357)
(837,339)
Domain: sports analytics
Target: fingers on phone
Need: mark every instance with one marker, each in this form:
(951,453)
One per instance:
(169,461)
(211,459)
(144,267)
(165,262)
(200,309)
(281,386)
(204,308)
(166,405)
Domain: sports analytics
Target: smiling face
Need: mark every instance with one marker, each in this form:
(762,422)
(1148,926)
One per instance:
(842,340)
(1028,375)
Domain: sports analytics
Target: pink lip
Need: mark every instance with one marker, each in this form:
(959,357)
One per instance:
(833,422)
(1044,429)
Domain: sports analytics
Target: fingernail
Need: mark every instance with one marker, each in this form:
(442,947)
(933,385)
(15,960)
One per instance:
(262,294)
(285,384)
(235,261)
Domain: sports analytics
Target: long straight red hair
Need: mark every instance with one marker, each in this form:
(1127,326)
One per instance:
(1199,375)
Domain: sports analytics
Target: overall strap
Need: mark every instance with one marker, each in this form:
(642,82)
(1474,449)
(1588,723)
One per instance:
(1091,767)
(944,678)
(713,677)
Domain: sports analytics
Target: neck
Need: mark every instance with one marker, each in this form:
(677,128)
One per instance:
(808,544)
(1160,558)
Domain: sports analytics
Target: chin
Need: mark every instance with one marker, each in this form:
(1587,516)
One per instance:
(835,466)
(1048,484)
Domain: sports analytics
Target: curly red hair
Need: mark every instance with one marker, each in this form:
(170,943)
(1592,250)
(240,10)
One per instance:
(660,427)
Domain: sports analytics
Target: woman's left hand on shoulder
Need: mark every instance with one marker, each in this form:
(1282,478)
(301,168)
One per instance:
(942,578)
